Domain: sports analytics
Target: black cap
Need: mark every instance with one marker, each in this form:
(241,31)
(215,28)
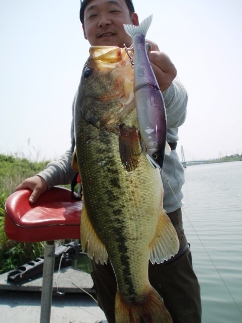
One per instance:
(84,3)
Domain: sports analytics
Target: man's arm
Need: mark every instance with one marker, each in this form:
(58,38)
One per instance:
(57,172)
(174,93)
(175,98)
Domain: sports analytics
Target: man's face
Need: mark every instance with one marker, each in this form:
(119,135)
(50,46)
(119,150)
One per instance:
(103,23)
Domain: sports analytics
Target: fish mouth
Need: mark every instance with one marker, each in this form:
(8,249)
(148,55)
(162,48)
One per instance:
(108,97)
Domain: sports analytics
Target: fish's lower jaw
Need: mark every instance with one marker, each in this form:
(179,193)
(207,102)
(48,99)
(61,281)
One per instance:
(151,310)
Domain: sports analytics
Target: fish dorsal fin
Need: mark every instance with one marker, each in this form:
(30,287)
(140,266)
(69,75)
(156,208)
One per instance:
(165,243)
(91,243)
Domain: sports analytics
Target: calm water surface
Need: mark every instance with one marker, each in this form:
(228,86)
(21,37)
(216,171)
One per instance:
(212,214)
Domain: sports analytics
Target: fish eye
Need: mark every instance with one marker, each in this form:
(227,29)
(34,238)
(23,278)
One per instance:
(87,72)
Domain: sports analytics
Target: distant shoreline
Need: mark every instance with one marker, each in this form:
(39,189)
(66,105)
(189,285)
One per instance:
(224,159)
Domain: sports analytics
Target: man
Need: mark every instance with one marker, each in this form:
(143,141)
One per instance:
(175,281)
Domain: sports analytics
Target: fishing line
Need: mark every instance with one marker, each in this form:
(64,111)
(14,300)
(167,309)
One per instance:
(58,275)
(57,286)
(83,290)
(183,210)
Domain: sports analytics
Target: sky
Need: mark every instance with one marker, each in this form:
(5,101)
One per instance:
(43,52)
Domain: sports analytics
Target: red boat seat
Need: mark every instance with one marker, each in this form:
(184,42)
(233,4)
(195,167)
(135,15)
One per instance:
(55,216)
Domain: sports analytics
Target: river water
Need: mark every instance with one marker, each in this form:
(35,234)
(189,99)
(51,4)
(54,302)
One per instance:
(212,216)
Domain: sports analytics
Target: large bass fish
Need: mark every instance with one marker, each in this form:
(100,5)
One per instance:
(122,216)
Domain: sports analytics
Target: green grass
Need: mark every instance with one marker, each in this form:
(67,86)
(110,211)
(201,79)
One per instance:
(13,171)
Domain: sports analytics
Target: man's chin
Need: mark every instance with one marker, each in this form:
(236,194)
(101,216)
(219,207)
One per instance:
(107,41)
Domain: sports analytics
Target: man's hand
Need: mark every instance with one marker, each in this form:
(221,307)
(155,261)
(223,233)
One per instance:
(37,184)
(163,67)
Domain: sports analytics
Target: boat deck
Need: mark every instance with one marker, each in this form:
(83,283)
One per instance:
(70,304)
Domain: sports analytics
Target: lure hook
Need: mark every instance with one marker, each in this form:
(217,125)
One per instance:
(128,50)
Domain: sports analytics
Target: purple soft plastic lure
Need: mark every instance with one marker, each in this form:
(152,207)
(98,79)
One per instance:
(149,100)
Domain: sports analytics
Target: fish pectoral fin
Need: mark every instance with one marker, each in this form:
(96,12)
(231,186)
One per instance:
(74,164)
(129,147)
(165,243)
(91,244)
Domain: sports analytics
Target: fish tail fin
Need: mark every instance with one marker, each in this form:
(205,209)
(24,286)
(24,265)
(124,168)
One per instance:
(150,310)
(142,28)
